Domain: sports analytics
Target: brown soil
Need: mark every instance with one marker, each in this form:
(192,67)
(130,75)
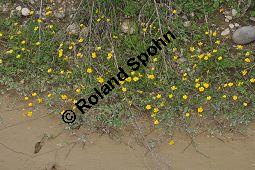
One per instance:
(19,134)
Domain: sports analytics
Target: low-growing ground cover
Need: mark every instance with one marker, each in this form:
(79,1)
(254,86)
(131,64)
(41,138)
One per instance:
(57,51)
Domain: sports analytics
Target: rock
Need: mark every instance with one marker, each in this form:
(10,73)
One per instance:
(226,20)
(237,25)
(234,12)
(73,29)
(18,8)
(225,32)
(84,32)
(59,14)
(229,17)
(25,11)
(252,18)
(244,35)
(127,26)
(187,24)
(231,26)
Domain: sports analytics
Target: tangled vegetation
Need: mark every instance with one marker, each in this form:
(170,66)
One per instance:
(200,76)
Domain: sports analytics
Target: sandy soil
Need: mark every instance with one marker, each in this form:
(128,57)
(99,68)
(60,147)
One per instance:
(19,134)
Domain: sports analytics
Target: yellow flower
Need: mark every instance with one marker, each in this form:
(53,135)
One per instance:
(201,89)
(245,104)
(151,76)
(129,79)
(192,49)
(94,55)
(10,51)
(78,90)
(89,70)
(217,42)
(159,96)
(155,59)
(36,28)
(18,56)
(156,110)
(197,85)
(49,95)
(174,88)
(171,142)
(230,84)
(29,113)
(148,107)
(208,98)
(64,97)
(224,96)
(109,55)
(80,55)
(174,11)
(247,53)
(1,34)
(50,70)
(39,20)
(187,114)
(98,48)
(34,94)
(62,72)
(244,72)
(247,60)
(30,104)
(214,34)
(206,85)
(220,58)
(37,43)
(162,104)
(135,79)
(252,80)
(31,12)
(60,52)
(156,122)
(200,43)
(144,29)
(215,51)
(124,89)
(200,109)
(100,79)
(23,42)
(26,98)
(175,57)
(1,61)
(239,47)
(235,97)
(185,97)
(170,96)
(80,40)
(48,13)
(40,100)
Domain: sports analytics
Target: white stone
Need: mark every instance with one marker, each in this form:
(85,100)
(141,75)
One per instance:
(18,8)
(252,18)
(237,25)
(229,17)
(231,26)
(234,12)
(244,35)
(226,20)
(25,11)
(187,24)
(225,32)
